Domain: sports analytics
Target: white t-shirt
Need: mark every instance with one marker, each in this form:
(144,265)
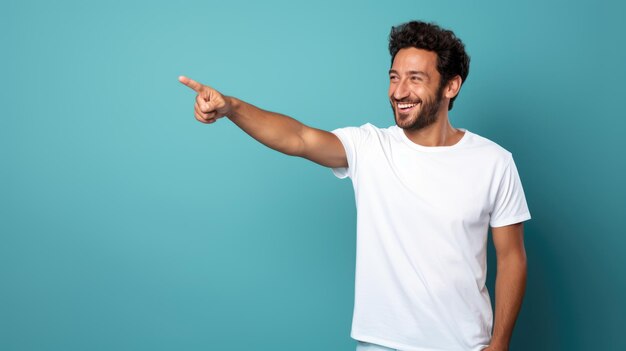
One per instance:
(422,220)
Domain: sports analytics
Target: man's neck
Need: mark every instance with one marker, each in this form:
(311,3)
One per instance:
(440,133)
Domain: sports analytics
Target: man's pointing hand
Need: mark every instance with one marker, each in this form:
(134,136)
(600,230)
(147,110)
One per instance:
(210,104)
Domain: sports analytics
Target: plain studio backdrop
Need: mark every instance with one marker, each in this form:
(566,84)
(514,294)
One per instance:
(127,225)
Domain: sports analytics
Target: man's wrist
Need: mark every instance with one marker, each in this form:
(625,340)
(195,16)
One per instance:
(233,106)
(498,344)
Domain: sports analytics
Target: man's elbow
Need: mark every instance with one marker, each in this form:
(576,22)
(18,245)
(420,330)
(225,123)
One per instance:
(514,260)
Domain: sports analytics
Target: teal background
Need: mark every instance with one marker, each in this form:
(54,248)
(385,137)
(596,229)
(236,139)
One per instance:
(127,225)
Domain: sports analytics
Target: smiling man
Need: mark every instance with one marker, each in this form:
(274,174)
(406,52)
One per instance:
(426,195)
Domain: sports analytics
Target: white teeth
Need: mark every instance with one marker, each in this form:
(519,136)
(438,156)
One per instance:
(406,105)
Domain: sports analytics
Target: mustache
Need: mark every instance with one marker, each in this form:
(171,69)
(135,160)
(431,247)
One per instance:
(405,101)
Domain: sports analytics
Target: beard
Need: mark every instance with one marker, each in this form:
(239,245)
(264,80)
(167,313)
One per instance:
(426,115)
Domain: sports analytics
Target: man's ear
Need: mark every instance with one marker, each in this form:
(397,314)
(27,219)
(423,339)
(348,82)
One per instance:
(453,87)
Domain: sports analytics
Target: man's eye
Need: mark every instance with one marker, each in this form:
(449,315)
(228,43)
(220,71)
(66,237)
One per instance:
(393,78)
(416,78)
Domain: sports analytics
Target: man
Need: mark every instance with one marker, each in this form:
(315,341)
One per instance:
(426,193)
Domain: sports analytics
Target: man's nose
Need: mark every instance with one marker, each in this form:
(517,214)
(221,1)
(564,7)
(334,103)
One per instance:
(401,90)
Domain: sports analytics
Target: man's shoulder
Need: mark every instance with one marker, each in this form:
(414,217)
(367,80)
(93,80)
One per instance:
(365,130)
(365,127)
(487,147)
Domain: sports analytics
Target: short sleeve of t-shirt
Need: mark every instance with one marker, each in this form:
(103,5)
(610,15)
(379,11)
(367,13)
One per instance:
(351,138)
(510,205)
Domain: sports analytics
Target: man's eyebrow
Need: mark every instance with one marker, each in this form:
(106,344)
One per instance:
(411,73)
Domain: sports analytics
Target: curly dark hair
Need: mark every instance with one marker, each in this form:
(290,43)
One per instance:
(452,60)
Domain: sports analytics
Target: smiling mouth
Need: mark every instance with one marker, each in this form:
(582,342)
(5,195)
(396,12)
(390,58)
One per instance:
(406,106)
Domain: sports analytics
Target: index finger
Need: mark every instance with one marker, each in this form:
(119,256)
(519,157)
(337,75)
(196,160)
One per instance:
(190,83)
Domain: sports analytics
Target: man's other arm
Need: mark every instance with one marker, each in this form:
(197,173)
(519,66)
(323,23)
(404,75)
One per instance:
(510,282)
(277,131)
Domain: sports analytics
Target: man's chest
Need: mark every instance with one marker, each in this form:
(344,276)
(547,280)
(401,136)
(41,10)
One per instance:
(452,188)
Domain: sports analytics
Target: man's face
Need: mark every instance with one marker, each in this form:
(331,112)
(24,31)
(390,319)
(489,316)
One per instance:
(414,91)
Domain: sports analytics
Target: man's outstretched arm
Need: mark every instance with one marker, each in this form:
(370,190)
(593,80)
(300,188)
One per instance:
(510,282)
(277,131)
